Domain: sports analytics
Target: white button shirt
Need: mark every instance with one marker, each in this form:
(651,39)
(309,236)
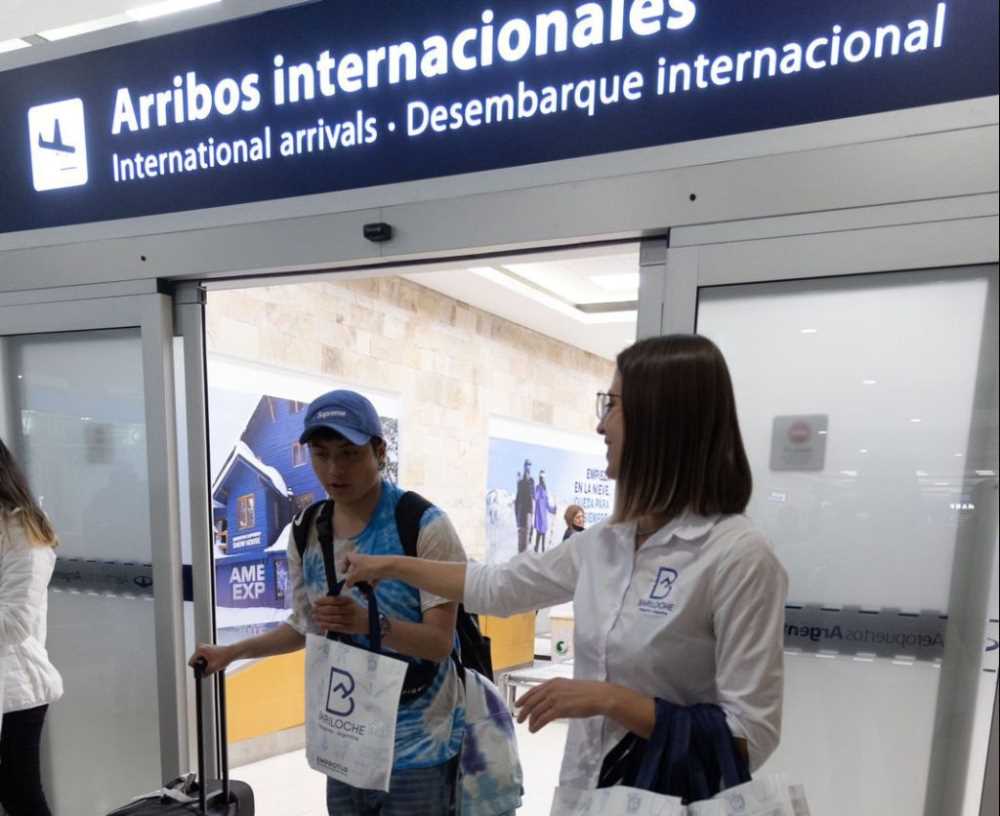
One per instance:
(695,615)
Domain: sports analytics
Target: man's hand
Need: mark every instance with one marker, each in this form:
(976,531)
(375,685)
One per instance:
(216,657)
(341,614)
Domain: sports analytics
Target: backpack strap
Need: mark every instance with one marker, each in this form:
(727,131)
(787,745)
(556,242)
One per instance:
(409,510)
(303,523)
(324,532)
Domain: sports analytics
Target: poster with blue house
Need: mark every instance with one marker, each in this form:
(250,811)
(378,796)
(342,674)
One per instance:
(264,482)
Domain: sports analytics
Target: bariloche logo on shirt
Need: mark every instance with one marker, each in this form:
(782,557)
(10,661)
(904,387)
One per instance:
(663,585)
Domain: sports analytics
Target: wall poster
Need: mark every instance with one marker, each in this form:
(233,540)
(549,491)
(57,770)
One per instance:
(534,473)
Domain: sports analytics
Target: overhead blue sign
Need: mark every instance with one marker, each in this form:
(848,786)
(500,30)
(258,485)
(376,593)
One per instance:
(340,95)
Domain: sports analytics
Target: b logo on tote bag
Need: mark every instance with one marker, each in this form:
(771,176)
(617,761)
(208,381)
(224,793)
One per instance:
(339,701)
(736,802)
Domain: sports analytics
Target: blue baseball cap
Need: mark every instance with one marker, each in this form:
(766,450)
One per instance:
(346,412)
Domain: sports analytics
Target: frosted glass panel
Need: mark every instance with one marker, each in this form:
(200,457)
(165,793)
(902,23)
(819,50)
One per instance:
(79,430)
(869,418)
(893,366)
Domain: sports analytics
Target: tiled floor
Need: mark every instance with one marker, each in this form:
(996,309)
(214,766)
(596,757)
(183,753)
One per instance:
(286,786)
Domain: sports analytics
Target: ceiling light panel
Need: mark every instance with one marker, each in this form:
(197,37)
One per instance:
(86,27)
(620,282)
(572,279)
(500,276)
(162,9)
(13,45)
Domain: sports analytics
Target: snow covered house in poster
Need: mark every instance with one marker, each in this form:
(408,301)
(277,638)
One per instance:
(265,480)
(252,501)
(272,433)
(253,506)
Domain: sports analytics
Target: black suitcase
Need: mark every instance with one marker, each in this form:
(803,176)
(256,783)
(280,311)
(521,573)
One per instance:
(189,794)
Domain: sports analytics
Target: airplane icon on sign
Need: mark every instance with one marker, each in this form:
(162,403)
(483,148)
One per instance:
(57,143)
(58,140)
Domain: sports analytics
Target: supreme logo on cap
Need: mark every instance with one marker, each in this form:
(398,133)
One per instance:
(331,412)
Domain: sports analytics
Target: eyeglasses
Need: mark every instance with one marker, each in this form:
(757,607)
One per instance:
(604,404)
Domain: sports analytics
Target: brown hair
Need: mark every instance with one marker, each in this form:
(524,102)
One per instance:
(15,497)
(683,449)
(571,512)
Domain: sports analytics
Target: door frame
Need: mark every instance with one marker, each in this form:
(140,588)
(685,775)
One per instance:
(190,301)
(136,306)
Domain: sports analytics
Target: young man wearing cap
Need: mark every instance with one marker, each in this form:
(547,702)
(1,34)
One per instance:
(348,452)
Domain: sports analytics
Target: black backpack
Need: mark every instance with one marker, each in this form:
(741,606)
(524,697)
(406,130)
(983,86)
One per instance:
(474,647)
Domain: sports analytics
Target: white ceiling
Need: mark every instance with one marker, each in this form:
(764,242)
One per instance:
(578,280)
(22,18)
(542,294)
(523,298)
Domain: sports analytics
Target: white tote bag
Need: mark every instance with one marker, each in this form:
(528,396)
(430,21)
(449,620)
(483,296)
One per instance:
(766,795)
(616,801)
(352,697)
(490,779)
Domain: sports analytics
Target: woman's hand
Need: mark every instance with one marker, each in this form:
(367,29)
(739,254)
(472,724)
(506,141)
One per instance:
(341,614)
(366,568)
(216,657)
(563,699)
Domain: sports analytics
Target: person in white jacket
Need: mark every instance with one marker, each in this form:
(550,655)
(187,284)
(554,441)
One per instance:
(677,596)
(30,681)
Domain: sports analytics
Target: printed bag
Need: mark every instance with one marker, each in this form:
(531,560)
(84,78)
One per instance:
(352,698)
(617,801)
(490,776)
(691,750)
(768,795)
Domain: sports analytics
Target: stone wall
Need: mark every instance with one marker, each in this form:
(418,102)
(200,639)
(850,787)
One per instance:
(453,366)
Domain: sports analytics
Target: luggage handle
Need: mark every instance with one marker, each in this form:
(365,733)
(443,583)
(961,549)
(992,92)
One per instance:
(220,684)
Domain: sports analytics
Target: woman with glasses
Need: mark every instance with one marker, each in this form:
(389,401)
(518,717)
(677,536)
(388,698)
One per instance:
(677,596)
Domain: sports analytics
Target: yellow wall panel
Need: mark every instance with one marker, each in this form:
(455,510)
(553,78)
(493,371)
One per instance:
(512,640)
(267,696)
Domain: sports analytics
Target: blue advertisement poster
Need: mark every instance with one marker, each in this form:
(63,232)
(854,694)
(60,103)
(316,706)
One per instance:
(529,486)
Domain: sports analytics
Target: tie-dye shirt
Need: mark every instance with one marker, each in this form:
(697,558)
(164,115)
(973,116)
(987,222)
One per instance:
(429,729)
